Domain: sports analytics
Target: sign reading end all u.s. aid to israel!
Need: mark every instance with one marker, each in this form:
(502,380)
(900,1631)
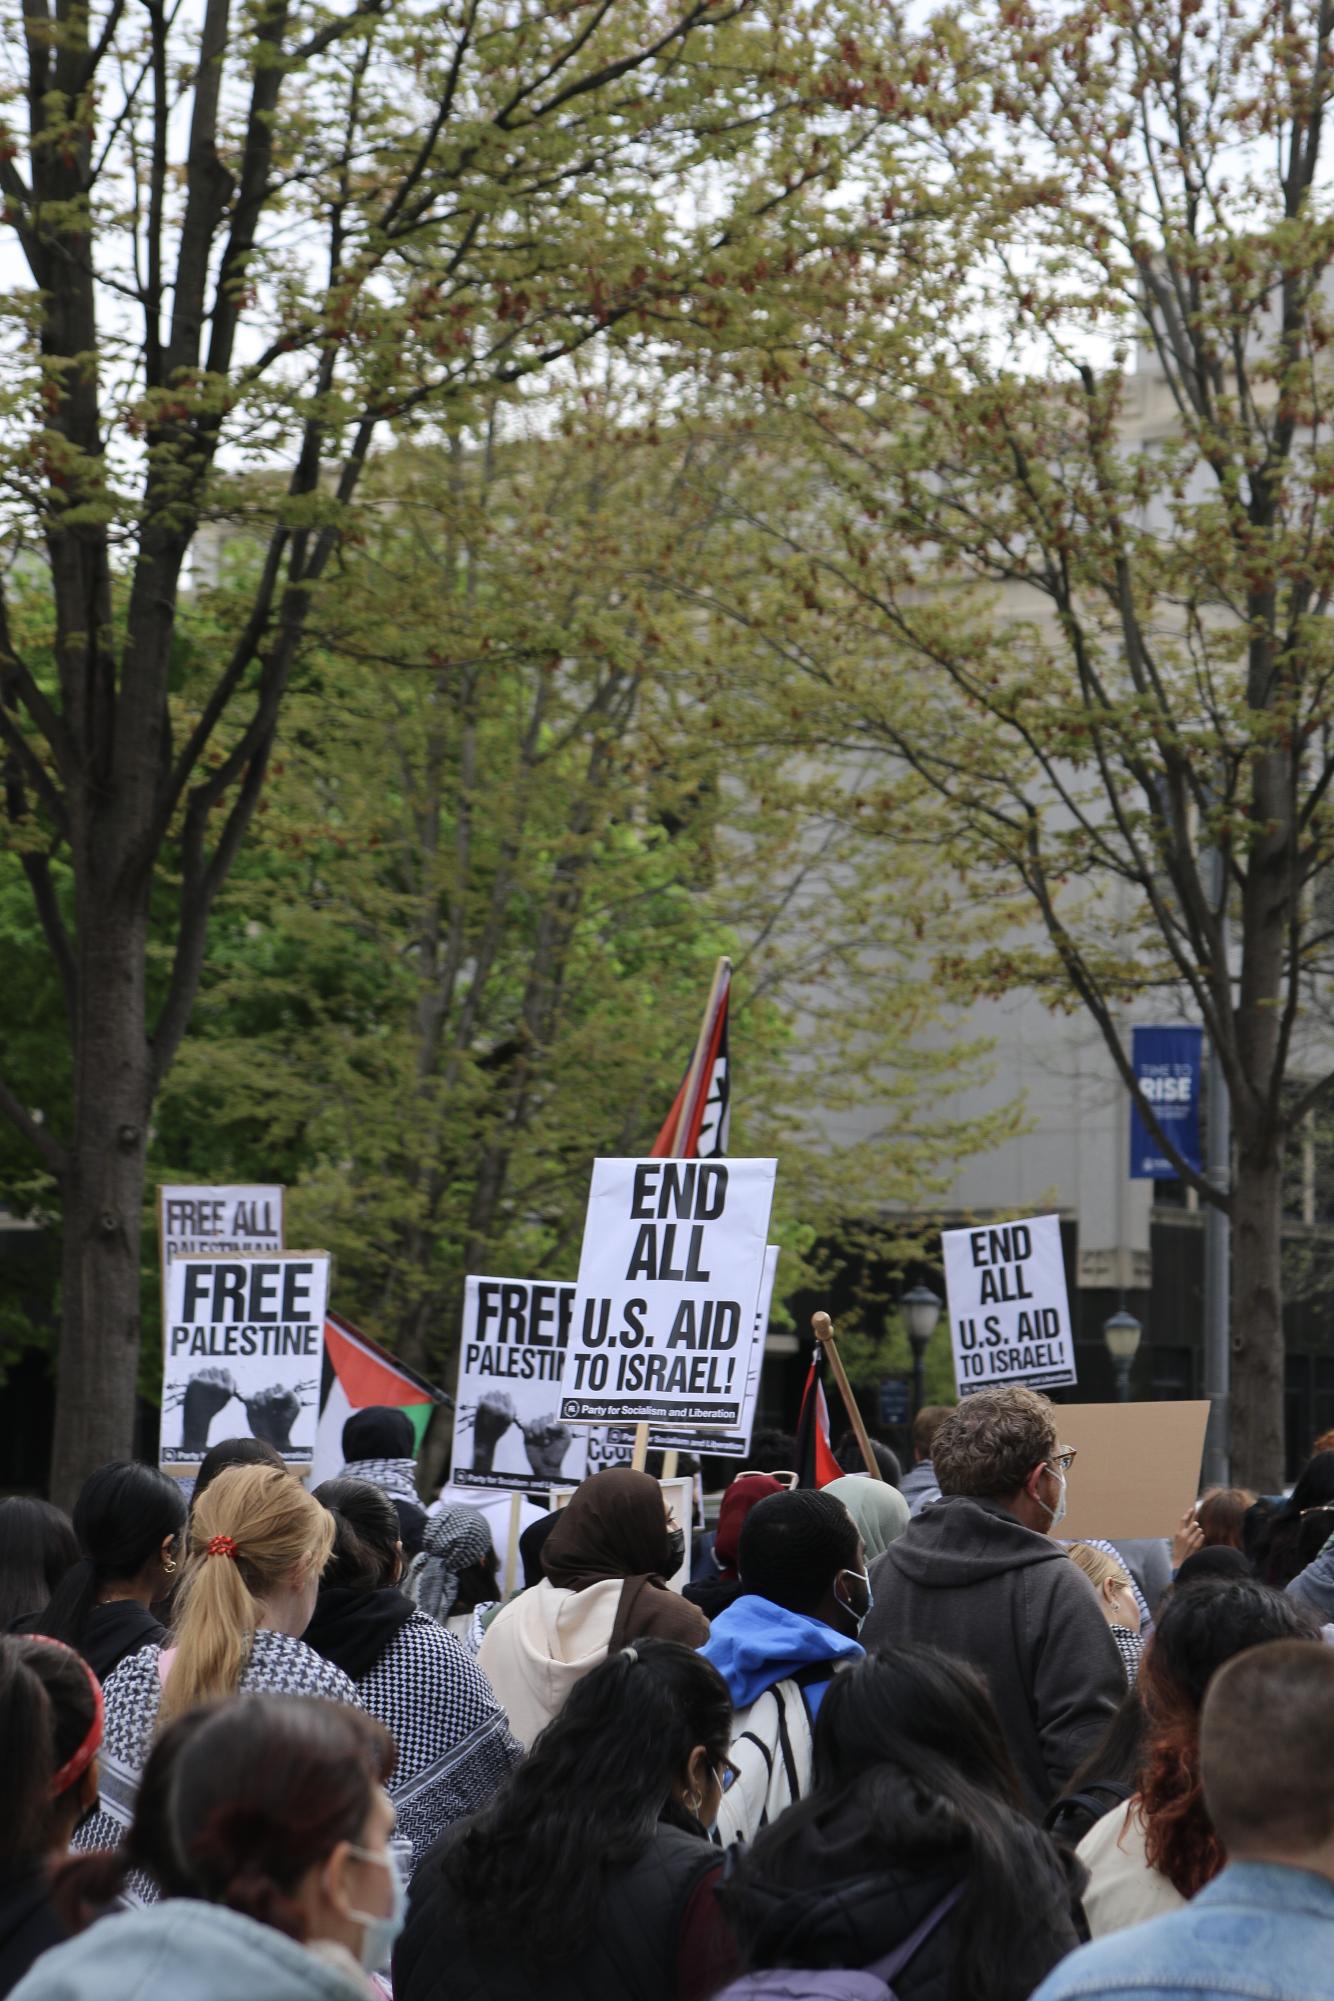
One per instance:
(1008,1304)
(664,1321)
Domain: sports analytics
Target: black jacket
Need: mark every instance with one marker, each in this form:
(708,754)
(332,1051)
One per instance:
(827,1897)
(966,1577)
(28,1924)
(111,1633)
(631,1951)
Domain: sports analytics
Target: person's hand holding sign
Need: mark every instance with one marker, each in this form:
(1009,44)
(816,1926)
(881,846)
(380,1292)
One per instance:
(205,1394)
(1188,1538)
(495,1415)
(546,1442)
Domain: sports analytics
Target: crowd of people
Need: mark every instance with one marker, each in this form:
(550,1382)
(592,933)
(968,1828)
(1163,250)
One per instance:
(261,1741)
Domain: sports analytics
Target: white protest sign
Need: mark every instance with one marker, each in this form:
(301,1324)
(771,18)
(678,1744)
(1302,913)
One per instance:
(506,1431)
(243,1347)
(663,1328)
(211,1222)
(1009,1311)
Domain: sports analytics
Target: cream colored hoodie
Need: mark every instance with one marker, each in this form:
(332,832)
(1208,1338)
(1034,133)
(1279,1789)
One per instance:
(543,1642)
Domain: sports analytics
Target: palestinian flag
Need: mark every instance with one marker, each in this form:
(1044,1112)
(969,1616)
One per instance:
(697,1125)
(816,1464)
(358,1372)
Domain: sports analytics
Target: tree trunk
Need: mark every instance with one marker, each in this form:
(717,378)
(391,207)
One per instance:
(103,1194)
(1257,1317)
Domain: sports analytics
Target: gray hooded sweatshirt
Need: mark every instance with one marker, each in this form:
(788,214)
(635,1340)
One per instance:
(968,1578)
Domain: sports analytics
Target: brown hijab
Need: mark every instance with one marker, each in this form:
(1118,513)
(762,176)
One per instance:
(616,1526)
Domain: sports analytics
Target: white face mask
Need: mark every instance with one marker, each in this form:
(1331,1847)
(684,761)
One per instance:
(1058,1512)
(379,1934)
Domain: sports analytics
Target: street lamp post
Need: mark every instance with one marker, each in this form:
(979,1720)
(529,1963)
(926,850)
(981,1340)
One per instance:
(921,1310)
(1122,1336)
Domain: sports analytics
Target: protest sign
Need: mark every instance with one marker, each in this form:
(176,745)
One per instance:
(506,1431)
(1009,1312)
(723,1444)
(663,1327)
(1137,1467)
(213,1222)
(247,1331)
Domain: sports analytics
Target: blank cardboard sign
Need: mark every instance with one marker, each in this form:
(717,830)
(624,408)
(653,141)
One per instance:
(1138,1468)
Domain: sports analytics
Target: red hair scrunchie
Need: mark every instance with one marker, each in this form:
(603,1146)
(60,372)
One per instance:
(221,1545)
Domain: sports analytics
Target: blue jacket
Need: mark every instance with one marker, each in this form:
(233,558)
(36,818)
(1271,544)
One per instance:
(1314,1586)
(755,1643)
(1258,1932)
(187,1951)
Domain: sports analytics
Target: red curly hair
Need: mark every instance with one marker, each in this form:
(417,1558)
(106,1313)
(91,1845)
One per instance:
(1179,1838)
(1200,1627)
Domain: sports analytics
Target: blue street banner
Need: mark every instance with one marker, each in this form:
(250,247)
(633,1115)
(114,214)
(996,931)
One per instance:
(1167,1064)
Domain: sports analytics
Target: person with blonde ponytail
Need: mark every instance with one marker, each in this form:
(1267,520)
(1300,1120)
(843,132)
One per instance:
(258,1543)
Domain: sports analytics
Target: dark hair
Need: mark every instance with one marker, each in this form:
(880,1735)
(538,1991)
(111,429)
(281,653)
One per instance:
(1220,1515)
(1267,1750)
(1216,1560)
(47,1708)
(910,1766)
(37,1546)
(124,1514)
(380,1431)
(1277,1558)
(1200,1626)
(530,1549)
(1313,1532)
(772,1452)
(532,1865)
(266,1787)
(792,1547)
(365,1550)
(848,1453)
(85,1887)
(229,1452)
(1106,1776)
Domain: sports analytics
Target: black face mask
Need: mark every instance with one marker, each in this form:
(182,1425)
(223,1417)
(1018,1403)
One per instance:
(858,1600)
(676,1544)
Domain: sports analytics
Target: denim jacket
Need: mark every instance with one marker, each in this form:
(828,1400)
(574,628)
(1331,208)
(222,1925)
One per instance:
(1258,1932)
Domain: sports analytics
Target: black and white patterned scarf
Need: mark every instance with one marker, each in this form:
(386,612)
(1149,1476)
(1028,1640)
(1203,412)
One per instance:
(133,1694)
(454,1742)
(397,1477)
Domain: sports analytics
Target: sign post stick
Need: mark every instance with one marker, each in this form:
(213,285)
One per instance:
(669,1464)
(639,1457)
(823,1329)
(512,1545)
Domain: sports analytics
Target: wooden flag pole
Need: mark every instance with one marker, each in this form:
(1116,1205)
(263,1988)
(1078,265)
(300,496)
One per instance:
(693,1085)
(823,1329)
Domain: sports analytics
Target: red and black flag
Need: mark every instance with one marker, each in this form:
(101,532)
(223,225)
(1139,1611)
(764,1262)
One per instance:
(816,1464)
(697,1125)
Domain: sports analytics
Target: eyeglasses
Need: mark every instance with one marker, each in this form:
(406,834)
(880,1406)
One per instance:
(1061,1462)
(727,1775)
(785,1479)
